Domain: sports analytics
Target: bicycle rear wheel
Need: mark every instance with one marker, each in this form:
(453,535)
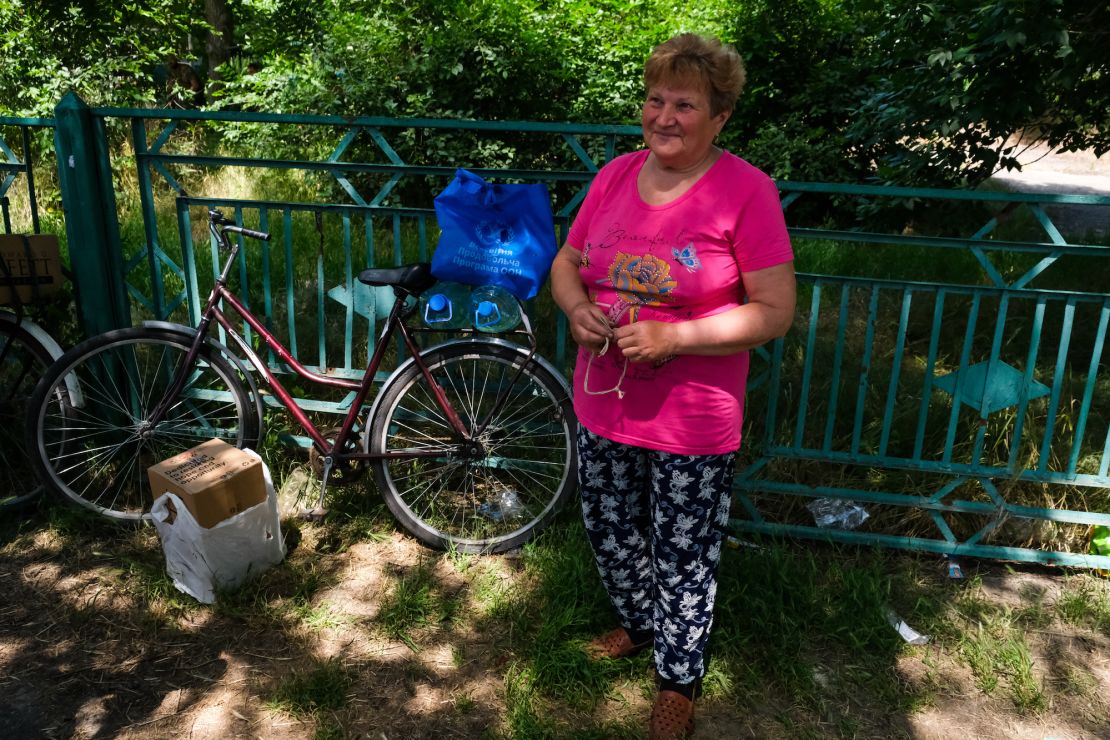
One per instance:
(23,360)
(506,487)
(87,425)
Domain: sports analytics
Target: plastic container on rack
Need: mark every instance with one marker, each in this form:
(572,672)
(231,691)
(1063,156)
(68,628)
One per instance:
(446,306)
(494,309)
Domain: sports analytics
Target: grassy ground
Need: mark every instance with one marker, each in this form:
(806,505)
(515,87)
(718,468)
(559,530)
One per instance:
(364,633)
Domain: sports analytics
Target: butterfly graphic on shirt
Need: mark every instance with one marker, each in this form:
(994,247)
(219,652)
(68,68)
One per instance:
(687,257)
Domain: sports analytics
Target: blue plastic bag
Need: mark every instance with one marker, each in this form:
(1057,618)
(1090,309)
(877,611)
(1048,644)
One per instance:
(493,234)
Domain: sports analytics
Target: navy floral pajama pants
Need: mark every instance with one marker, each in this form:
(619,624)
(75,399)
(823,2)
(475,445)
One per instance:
(656,521)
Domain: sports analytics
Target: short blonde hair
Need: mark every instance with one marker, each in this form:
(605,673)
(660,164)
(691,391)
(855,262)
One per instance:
(706,62)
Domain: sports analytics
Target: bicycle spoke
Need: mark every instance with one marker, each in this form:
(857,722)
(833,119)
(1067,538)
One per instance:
(97,454)
(494,493)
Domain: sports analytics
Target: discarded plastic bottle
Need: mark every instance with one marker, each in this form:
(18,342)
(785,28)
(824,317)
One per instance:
(506,507)
(494,309)
(837,513)
(445,306)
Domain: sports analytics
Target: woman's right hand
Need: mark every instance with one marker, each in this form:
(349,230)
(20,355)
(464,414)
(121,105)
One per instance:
(588,326)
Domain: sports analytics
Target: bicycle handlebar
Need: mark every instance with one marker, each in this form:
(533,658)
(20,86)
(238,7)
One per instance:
(217,220)
(262,235)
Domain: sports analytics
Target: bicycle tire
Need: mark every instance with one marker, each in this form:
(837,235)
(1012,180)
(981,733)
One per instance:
(23,360)
(91,448)
(527,469)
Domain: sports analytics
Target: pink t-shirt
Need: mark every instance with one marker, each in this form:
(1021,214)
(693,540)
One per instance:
(678,261)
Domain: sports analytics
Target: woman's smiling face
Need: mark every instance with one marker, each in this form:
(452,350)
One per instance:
(677,124)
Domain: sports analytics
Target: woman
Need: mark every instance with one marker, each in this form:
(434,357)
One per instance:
(677,263)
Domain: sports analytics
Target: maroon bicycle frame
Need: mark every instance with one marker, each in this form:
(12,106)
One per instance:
(361,388)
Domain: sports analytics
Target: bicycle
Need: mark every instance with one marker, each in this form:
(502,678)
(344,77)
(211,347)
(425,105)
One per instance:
(26,351)
(471,441)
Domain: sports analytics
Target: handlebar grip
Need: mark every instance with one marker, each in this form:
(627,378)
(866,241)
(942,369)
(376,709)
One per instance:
(262,235)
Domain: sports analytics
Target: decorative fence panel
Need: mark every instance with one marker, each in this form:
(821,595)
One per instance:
(950,384)
(18,168)
(966,411)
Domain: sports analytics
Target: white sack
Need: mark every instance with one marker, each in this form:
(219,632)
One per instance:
(202,560)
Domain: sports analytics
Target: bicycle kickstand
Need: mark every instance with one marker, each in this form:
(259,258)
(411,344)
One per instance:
(317,514)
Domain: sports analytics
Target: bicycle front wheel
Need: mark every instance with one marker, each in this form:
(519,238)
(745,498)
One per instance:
(88,429)
(493,491)
(23,360)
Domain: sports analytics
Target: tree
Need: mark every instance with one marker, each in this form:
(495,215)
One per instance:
(219,45)
(957,83)
(111,52)
(922,93)
(806,65)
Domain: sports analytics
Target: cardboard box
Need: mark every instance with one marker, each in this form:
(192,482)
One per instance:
(215,480)
(32,263)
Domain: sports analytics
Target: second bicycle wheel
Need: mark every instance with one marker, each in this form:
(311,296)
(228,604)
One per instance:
(494,494)
(23,360)
(88,430)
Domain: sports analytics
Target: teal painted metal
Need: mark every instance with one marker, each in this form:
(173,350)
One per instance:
(152,248)
(969,390)
(92,230)
(11,167)
(934,396)
(403,232)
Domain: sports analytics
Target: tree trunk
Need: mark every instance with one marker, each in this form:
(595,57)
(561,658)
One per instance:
(220,44)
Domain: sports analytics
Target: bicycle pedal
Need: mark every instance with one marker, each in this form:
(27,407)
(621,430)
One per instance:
(312,515)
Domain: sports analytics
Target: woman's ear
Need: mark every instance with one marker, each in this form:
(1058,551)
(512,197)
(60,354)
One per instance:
(721,118)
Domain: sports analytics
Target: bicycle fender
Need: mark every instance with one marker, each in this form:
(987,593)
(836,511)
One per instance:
(522,351)
(37,332)
(188,332)
(52,348)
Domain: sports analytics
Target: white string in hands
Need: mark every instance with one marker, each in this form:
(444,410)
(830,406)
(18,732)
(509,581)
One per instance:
(586,377)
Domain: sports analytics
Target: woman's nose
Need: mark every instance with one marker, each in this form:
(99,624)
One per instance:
(667,115)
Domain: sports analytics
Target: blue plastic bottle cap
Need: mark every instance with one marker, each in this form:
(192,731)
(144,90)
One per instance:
(486,308)
(438,302)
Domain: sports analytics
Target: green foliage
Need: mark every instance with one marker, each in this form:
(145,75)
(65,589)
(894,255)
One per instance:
(1083,604)
(804,70)
(996,650)
(955,80)
(110,53)
(926,93)
(417,602)
(486,59)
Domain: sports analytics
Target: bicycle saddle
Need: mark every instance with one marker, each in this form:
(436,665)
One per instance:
(412,278)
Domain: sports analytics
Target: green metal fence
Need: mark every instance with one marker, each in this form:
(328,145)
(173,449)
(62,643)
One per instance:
(950,383)
(18,168)
(945,405)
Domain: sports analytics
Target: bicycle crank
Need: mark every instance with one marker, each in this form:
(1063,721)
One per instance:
(343,471)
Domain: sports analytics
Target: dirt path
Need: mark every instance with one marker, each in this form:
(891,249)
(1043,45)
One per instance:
(1078,173)
(88,651)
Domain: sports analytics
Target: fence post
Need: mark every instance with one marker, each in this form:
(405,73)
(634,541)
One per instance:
(92,229)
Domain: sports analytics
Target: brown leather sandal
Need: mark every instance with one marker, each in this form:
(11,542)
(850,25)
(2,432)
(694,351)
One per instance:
(614,644)
(672,717)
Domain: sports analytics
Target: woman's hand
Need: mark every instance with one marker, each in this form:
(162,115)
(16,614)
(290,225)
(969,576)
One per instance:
(588,326)
(647,341)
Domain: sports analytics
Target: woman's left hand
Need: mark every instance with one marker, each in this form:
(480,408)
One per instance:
(647,341)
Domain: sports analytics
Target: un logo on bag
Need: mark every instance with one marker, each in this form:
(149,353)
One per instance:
(494,233)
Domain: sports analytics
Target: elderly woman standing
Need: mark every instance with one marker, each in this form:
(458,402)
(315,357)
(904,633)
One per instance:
(677,264)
